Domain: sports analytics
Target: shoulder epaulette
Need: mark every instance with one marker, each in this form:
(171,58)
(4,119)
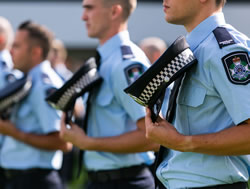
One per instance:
(223,37)
(126,52)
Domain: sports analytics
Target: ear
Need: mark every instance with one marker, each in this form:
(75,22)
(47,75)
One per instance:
(116,11)
(37,52)
(2,39)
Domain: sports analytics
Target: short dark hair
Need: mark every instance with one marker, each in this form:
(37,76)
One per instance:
(39,35)
(128,6)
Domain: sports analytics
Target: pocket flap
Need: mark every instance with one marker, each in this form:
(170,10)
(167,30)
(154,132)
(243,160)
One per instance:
(105,95)
(192,96)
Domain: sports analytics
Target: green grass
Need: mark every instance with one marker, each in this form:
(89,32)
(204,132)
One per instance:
(78,183)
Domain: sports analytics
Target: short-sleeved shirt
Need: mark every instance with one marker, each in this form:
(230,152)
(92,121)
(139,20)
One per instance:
(165,103)
(5,66)
(210,102)
(5,60)
(113,112)
(34,115)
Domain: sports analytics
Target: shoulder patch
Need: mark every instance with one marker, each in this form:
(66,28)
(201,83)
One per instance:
(223,37)
(237,66)
(133,72)
(126,52)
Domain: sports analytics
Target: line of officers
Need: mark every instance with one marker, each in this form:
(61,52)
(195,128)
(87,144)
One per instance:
(206,145)
(32,153)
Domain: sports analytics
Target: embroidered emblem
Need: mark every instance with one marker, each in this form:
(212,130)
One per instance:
(237,66)
(133,72)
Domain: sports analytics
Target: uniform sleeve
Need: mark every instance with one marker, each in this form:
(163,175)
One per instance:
(231,80)
(122,77)
(48,117)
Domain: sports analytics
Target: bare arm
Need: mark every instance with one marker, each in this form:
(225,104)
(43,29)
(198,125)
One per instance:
(134,141)
(231,141)
(51,141)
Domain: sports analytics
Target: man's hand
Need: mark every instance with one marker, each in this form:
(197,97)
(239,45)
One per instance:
(164,133)
(74,134)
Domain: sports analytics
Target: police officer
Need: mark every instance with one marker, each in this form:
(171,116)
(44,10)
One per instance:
(6,39)
(32,149)
(209,136)
(116,130)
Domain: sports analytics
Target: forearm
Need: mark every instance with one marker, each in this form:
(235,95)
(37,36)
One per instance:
(51,141)
(232,141)
(130,142)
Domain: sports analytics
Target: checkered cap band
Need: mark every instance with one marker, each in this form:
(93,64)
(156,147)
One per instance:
(15,97)
(164,75)
(83,82)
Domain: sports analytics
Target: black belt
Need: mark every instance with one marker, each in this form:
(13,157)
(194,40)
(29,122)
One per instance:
(10,173)
(237,185)
(116,174)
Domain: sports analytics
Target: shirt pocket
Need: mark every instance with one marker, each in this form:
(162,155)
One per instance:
(192,96)
(105,96)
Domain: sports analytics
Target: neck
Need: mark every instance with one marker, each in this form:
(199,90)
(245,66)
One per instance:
(32,65)
(203,14)
(112,32)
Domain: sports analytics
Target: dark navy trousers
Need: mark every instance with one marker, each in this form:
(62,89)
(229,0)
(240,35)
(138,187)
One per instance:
(35,179)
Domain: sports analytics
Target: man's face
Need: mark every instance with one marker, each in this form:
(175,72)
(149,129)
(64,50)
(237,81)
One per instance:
(97,18)
(21,51)
(181,12)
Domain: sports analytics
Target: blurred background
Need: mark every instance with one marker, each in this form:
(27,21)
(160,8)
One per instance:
(63,17)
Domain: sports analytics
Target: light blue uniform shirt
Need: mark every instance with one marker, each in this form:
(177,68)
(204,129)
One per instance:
(165,103)
(207,103)
(6,58)
(5,65)
(113,112)
(34,115)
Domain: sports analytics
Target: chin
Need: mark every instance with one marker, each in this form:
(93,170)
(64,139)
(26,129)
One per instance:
(91,35)
(172,21)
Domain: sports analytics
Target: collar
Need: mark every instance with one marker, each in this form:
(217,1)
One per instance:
(112,44)
(35,70)
(6,57)
(204,29)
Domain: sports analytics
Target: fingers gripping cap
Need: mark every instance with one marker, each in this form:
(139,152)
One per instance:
(83,80)
(175,61)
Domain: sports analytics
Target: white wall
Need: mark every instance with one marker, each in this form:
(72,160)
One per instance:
(64,19)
